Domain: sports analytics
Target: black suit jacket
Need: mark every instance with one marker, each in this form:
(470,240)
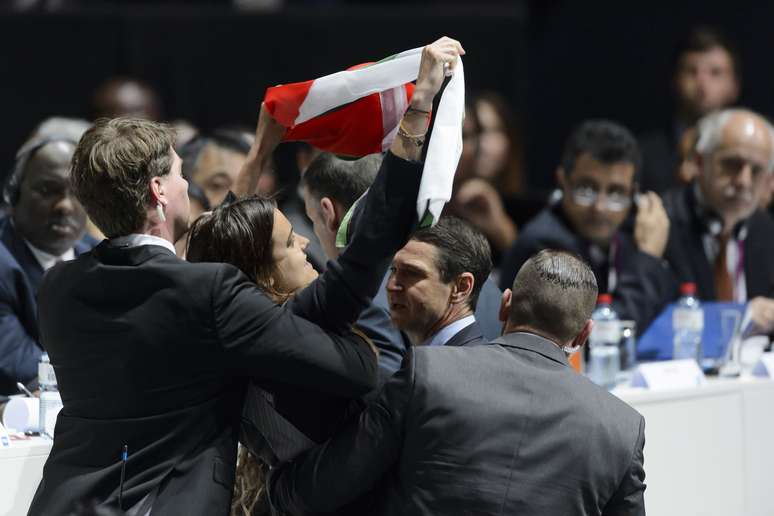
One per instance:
(20,277)
(685,250)
(659,159)
(155,353)
(487,430)
(645,284)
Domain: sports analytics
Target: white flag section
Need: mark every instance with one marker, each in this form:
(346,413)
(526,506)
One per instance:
(445,148)
(445,144)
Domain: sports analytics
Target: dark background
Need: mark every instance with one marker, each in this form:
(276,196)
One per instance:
(558,62)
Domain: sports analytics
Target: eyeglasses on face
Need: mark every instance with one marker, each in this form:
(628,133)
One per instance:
(612,201)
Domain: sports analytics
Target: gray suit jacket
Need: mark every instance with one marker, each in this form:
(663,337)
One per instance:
(487,430)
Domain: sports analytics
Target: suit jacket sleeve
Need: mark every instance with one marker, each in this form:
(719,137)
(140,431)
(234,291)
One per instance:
(629,500)
(336,299)
(646,285)
(268,341)
(351,463)
(19,350)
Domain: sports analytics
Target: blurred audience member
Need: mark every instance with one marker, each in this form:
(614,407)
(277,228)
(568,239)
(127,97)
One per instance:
(597,176)
(125,96)
(44,225)
(719,237)
(707,77)
(213,162)
(475,199)
(500,158)
(73,129)
(435,281)
(507,428)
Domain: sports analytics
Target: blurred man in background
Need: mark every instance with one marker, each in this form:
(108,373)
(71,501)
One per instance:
(45,224)
(707,77)
(719,238)
(598,179)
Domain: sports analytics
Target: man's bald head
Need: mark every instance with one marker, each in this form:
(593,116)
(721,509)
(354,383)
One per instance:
(553,295)
(736,151)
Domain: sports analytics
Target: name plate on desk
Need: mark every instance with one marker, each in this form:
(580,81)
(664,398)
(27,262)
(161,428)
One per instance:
(765,366)
(670,374)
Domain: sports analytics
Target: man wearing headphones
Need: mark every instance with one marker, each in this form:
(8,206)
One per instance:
(44,224)
(719,239)
(598,179)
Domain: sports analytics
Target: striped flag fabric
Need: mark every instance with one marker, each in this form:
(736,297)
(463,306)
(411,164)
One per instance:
(357,112)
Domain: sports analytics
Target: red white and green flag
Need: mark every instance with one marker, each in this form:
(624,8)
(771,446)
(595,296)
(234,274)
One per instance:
(357,112)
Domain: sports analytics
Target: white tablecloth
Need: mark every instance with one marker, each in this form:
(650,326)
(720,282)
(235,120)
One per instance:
(708,452)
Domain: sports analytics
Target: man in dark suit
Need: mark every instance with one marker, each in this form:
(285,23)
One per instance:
(435,282)
(707,72)
(598,179)
(508,428)
(45,224)
(331,186)
(153,354)
(719,239)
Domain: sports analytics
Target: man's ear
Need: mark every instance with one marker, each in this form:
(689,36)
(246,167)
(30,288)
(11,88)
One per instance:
(463,287)
(583,336)
(157,191)
(330,218)
(505,305)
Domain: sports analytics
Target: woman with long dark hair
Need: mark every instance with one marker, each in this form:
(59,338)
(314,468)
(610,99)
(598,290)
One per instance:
(250,233)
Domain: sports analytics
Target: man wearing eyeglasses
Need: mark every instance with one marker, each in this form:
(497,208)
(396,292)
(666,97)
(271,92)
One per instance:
(720,240)
(598,182)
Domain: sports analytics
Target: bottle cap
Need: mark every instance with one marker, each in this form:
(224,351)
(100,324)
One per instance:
(604,299)
(688,289)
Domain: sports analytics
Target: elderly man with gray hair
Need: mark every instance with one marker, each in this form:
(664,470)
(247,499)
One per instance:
(719,239)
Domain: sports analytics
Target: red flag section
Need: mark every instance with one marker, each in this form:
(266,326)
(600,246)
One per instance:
(353,129)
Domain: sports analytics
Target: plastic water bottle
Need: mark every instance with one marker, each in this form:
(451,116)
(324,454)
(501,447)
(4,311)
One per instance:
(50,399)
(687,325)
(604,355)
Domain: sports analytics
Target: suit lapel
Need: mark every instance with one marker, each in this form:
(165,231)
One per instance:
(21,252)
(468,335)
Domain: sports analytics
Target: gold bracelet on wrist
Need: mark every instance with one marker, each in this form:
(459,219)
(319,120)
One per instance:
(417,139)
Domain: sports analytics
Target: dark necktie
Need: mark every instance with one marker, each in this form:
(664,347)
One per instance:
(724,288)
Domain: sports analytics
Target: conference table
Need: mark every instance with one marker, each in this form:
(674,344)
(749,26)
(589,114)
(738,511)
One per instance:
(708,451)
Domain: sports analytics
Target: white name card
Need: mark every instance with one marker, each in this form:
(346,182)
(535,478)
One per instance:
(671,374)
(765,366)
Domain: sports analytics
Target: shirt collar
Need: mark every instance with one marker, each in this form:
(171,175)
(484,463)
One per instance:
(136,240)
(450,330)
(48,260)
